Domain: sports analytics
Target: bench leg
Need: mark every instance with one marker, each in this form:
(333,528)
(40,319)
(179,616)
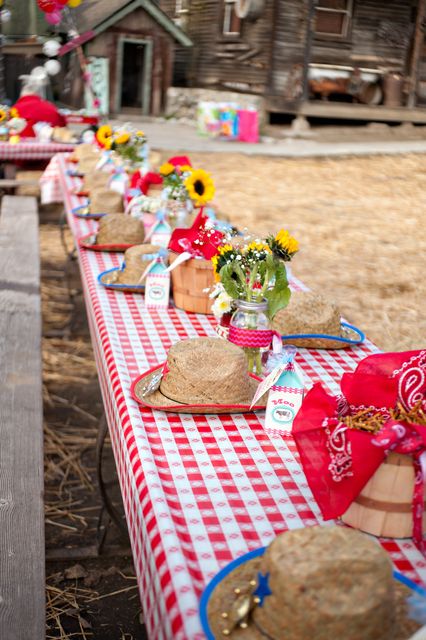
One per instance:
(113,514)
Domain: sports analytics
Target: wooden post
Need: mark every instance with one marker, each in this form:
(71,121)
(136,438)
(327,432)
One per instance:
(22,574)
(415,56)
(307,52)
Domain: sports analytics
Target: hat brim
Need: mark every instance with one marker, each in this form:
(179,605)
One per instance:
(79,212)
(106,279)
(217,595)
(89,242)
(157,400)
(349,336)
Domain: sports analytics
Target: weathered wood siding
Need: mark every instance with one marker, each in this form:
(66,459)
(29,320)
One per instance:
(227,61)
(267,57)
(379,36)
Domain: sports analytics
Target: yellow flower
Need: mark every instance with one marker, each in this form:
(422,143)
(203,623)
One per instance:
(286,241)
(140,134)
(166,169)
(108,143)
(215,260)
(200,187)
(122,138)
(224,248)
(14,113)
(103,133)
(3,115)
(186,168)
(258,246)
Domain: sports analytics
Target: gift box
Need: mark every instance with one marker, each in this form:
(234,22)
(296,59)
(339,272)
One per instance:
(364,452)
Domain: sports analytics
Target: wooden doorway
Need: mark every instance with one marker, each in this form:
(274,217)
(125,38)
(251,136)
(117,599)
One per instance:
(134,65)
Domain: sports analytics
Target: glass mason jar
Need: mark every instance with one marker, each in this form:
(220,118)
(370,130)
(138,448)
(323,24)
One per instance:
(177,211)
(247,325)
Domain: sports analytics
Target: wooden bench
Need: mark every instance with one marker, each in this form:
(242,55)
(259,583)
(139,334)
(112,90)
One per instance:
(22,554)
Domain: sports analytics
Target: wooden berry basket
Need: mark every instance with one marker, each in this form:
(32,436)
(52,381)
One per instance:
(189,280)
(383,508)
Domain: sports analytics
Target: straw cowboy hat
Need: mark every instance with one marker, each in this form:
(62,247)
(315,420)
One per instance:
(84,150)
(202,375)
(102,201)
(116,232)
(317,583)
(130,276)
(95,180)
(313,322)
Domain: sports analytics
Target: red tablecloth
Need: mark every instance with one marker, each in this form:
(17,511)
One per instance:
(198,490)
(31,150)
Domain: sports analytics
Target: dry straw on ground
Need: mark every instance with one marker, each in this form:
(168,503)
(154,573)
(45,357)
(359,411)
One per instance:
(360,222)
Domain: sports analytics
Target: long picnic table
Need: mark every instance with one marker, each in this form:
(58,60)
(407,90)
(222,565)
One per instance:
(198,491)
(31,149)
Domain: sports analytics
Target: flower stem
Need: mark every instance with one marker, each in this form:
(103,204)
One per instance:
(251,283)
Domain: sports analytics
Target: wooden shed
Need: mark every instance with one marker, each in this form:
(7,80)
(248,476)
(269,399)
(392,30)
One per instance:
(131,49)
(339,58)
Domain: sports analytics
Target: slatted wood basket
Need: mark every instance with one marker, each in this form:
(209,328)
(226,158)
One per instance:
(189,280)
(383,508)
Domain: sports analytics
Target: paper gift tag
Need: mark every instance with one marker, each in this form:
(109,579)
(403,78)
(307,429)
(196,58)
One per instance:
(285,399)
(286,391)
(157,285)
(160,234)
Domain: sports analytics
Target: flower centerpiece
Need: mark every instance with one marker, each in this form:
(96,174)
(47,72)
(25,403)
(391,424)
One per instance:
(185,188)
(127,145)
(254,279)
(11,124)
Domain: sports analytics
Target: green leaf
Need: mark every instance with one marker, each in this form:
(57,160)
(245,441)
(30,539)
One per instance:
(277,299)
(279,296)
(230,285)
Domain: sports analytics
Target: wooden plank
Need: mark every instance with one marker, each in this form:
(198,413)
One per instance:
(22,574)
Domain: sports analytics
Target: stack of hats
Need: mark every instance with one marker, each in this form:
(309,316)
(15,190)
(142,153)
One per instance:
(118,229)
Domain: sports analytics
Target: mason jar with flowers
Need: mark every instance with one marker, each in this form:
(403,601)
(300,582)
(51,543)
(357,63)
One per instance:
(185,188)
(253,276)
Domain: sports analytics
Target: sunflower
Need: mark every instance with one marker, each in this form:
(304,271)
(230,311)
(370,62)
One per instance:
(257,246)
(122,138)
(200,187)
(14,113)
(108,143)
(283,245)
(186,168)
(166,169)
(103,133)
(3,114)
(140,134)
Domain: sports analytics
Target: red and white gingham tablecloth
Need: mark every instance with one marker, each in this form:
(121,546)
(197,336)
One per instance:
(31,150)
(198,490)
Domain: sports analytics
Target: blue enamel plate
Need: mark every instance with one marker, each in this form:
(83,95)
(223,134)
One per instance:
(108,280)
(82,211)
(416,601)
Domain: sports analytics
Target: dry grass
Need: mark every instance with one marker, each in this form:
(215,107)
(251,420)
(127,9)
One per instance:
(360,222)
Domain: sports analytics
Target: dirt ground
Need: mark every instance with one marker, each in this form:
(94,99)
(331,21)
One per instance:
(91,590)
(361,227)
